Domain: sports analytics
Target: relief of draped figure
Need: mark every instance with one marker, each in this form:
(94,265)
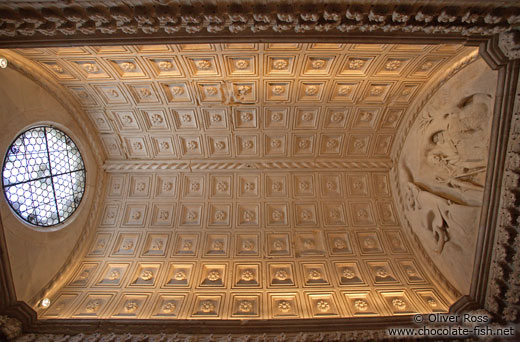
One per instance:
(455,150)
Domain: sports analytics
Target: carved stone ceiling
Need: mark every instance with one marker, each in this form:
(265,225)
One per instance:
(247,180)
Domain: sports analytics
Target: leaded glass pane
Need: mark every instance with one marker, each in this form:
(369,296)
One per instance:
(43,176)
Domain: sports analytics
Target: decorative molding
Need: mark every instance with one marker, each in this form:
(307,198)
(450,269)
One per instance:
(278,331)
(357,335)
(503,286)
(270,328)
(24,21)
(134,166)
(463,305)
(492,53)
(509,43)
(10,327)
(8,294)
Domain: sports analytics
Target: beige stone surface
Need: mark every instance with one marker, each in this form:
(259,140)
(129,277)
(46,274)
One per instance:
(251,181)
(36,254)
(442,170)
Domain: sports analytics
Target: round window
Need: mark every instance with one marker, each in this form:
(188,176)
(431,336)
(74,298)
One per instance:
(43,176)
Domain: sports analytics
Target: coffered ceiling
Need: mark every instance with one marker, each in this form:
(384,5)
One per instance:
(246,101)
(247,181)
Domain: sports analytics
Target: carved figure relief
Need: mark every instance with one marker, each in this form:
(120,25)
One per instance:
(457,151)
(442,170)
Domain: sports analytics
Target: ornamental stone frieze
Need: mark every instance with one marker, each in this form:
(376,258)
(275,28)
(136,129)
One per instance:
(26,20)
(502,296)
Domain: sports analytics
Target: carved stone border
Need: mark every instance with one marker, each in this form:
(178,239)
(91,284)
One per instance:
(201,165)
(139,333)
(328,336)
(501,182)
(60,22)
(501,265)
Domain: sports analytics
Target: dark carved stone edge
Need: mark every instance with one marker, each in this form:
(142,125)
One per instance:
(503,270)
(9,305)
(132,22)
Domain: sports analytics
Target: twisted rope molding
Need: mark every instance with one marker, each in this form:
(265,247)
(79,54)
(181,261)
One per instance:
(401,138)
(133,166)
(164,17)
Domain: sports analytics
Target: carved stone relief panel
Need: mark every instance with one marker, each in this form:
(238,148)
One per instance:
(442,169)
(93,305)
(361,303)
(349,274)
(398,302)
(168,306)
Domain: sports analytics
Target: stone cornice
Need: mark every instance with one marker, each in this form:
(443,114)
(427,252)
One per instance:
(509,43)
(496,190)
(333,336)
(131,21)
(7,295)
(8,301)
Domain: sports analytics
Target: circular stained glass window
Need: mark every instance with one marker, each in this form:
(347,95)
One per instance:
(43,176)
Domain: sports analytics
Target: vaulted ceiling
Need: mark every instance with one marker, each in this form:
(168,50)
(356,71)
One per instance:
(248,180)
(298,101)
